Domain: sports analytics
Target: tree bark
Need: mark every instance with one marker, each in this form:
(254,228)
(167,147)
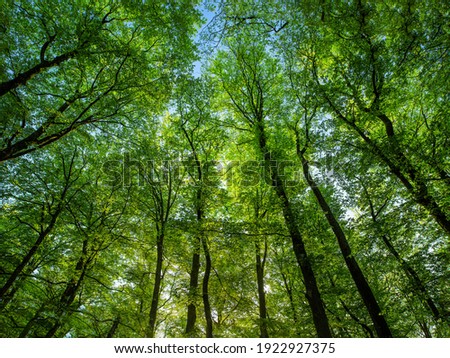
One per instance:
(312,291)
(261,293)
(150,332)
(205,290)
(193,286)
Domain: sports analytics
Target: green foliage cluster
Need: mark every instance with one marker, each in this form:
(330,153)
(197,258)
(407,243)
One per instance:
(299,186)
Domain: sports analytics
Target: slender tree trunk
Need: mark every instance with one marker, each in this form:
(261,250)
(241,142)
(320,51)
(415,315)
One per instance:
(205,290)
(361,283)
(195,268)
(261,293)
(291,302)
(312,291)
(193,286)
(150,333)
(113,329)
(19,269)
(68,296)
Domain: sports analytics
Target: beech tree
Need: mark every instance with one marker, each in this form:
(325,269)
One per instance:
(224,169)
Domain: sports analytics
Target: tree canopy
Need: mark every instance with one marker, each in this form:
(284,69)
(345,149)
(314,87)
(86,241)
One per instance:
(224,169)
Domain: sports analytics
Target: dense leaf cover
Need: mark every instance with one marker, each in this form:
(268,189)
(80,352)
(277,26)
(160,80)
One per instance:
(224,169)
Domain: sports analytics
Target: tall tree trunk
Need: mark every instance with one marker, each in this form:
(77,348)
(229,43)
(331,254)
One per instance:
(312,291)
(150,332)
(26,259)
(68,296)
(195,268)
(261,293)
(361,283)
(193,287)
(288,289)
(205,290)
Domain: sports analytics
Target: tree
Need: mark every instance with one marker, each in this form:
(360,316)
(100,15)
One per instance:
(90,64)
(250,89)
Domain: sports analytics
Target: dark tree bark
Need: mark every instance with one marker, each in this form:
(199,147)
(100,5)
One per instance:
(22,78)
(193,286)
(113,329)
(195,267)
(261,293)
(205,290)
(150,332)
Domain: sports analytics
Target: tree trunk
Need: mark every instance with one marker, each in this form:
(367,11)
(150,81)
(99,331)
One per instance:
(195,268)
(68,296)
(193,286)
(18,270)
(112,330)
(312,291)
(150,333)
(261,293)
(205,291)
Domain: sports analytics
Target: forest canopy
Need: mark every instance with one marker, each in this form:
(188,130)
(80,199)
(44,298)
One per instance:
(224,168)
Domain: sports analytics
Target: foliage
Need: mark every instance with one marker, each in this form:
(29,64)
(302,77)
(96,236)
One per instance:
(142,198)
